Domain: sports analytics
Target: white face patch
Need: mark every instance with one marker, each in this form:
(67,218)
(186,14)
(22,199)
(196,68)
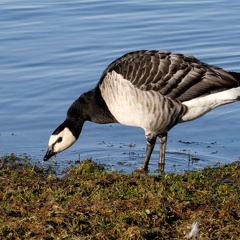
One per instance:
(61,141)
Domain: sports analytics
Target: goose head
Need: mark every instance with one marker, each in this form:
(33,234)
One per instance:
(62,138)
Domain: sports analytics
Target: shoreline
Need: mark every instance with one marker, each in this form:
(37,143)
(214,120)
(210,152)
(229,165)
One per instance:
(91,203)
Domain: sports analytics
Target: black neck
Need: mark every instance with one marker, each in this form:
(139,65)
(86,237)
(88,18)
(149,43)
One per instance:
(90,106)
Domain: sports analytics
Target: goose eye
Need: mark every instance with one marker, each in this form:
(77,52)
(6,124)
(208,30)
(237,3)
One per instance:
(59,140)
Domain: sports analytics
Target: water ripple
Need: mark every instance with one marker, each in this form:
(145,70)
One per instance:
(51,52)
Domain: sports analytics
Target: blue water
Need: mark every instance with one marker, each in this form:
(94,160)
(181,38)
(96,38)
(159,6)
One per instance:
(51,52)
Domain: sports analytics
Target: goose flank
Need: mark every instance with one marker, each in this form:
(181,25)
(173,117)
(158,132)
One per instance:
(151,89)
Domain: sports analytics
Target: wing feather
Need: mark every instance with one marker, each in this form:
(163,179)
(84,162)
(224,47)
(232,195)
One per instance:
(174,75)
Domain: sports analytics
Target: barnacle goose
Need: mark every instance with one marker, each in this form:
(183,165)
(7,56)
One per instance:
(151,89)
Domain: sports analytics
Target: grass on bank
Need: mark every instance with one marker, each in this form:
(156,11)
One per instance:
(90,203)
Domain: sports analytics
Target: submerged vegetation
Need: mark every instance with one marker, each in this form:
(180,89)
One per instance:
(91,203)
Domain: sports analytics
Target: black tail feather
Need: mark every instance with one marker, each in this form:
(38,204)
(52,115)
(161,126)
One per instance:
(236,75)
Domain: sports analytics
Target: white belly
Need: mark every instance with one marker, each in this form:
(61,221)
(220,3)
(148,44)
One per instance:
(199,106)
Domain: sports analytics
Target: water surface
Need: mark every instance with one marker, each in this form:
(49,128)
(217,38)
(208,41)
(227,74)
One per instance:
(51,52)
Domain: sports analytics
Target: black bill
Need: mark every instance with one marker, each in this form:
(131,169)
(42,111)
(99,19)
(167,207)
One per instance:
(48,155)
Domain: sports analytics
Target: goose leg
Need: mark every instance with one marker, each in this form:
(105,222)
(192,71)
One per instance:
(163,143)
(150,145)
